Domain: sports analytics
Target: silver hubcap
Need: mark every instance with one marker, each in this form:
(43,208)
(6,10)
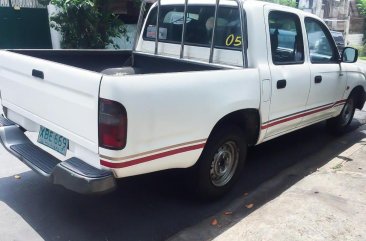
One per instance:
(347,112)
(224,164)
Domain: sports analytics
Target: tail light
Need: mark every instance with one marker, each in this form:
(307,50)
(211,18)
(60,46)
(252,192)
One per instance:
(112,125)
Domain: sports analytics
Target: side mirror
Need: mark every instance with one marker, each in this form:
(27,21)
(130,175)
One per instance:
(349,55)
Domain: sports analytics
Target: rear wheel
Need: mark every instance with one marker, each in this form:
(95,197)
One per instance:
(340,123)
(221,162)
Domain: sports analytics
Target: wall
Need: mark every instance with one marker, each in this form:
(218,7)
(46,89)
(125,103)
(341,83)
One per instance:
(355,39)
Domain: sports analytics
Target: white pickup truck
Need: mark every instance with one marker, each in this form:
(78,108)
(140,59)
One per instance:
(203,83)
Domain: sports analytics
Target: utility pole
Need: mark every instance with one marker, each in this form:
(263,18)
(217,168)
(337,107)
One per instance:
(318,8)
(347,29)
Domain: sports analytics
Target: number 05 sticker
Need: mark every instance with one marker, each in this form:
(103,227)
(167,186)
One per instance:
(233,40)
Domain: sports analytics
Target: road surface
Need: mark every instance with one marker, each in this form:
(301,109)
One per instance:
(149,207)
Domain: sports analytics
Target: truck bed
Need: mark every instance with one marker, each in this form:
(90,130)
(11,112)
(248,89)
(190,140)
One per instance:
(64,99)
(114,61)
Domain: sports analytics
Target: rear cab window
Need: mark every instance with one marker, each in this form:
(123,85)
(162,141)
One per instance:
(199,28)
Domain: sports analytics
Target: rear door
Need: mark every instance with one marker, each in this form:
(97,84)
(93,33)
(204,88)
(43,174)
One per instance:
(61,98)
(290,72)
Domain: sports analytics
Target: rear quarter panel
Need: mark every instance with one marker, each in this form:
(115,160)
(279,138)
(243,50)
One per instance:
(167,110)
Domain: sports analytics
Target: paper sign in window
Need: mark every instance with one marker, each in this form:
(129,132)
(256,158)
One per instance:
(151,32)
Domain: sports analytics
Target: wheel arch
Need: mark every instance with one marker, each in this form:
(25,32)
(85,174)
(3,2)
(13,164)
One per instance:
(360,95)
(246,119)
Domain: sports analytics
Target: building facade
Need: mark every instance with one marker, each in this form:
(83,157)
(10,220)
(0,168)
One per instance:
(340,15)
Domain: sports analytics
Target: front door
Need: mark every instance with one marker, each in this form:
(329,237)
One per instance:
(290,73)
(328,81)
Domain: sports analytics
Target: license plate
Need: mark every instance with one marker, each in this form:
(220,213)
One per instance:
(53,140)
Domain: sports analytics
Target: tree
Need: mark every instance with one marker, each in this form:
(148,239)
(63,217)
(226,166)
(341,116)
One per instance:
(86,24)
(290,3)
(361,6)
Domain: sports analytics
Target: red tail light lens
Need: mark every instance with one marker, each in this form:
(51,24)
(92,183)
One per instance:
(112,125)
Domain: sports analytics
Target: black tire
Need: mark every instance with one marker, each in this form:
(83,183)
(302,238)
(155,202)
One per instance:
(221,162)
(339,124)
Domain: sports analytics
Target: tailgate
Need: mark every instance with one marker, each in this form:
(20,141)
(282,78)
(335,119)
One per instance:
(65,100)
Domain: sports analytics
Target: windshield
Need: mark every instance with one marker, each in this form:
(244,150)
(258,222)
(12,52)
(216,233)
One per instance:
(200,22)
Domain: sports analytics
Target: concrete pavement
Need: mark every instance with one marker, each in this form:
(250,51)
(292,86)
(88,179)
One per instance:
(156,206)
(328,204)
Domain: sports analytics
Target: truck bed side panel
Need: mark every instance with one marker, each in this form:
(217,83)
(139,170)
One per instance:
(167,110)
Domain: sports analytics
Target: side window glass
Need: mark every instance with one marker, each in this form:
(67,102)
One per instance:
(287,45)
(320,43)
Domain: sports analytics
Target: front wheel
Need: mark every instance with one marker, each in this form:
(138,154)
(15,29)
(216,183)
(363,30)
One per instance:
(340,123)
(221,162)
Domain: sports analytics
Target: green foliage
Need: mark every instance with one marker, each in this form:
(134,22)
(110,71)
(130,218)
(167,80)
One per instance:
(361,6)
(361,51)
(137,3)
(290,3)
(86,24)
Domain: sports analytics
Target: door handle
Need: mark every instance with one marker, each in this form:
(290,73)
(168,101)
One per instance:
(37,74)
(318,79)
(281,84)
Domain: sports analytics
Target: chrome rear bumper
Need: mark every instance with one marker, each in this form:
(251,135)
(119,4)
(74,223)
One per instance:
(74,174)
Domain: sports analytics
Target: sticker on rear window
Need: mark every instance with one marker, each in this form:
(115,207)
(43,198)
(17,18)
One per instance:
(151,32)
(233,40)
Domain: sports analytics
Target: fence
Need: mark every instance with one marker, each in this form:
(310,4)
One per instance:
(26,28)
(21,3)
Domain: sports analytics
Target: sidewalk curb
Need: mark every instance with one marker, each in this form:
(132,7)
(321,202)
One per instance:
(342,158)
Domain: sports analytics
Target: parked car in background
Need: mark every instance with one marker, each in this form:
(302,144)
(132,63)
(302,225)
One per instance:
(339,39)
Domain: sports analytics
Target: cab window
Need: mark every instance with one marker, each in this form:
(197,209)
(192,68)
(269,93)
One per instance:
(199,28)
(287,46)
(321,44)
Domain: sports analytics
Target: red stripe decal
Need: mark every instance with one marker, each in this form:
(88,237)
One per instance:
(301,115)
(341,104)
(152,157)
(341,101)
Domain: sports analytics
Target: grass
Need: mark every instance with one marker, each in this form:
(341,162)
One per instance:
(362,57)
